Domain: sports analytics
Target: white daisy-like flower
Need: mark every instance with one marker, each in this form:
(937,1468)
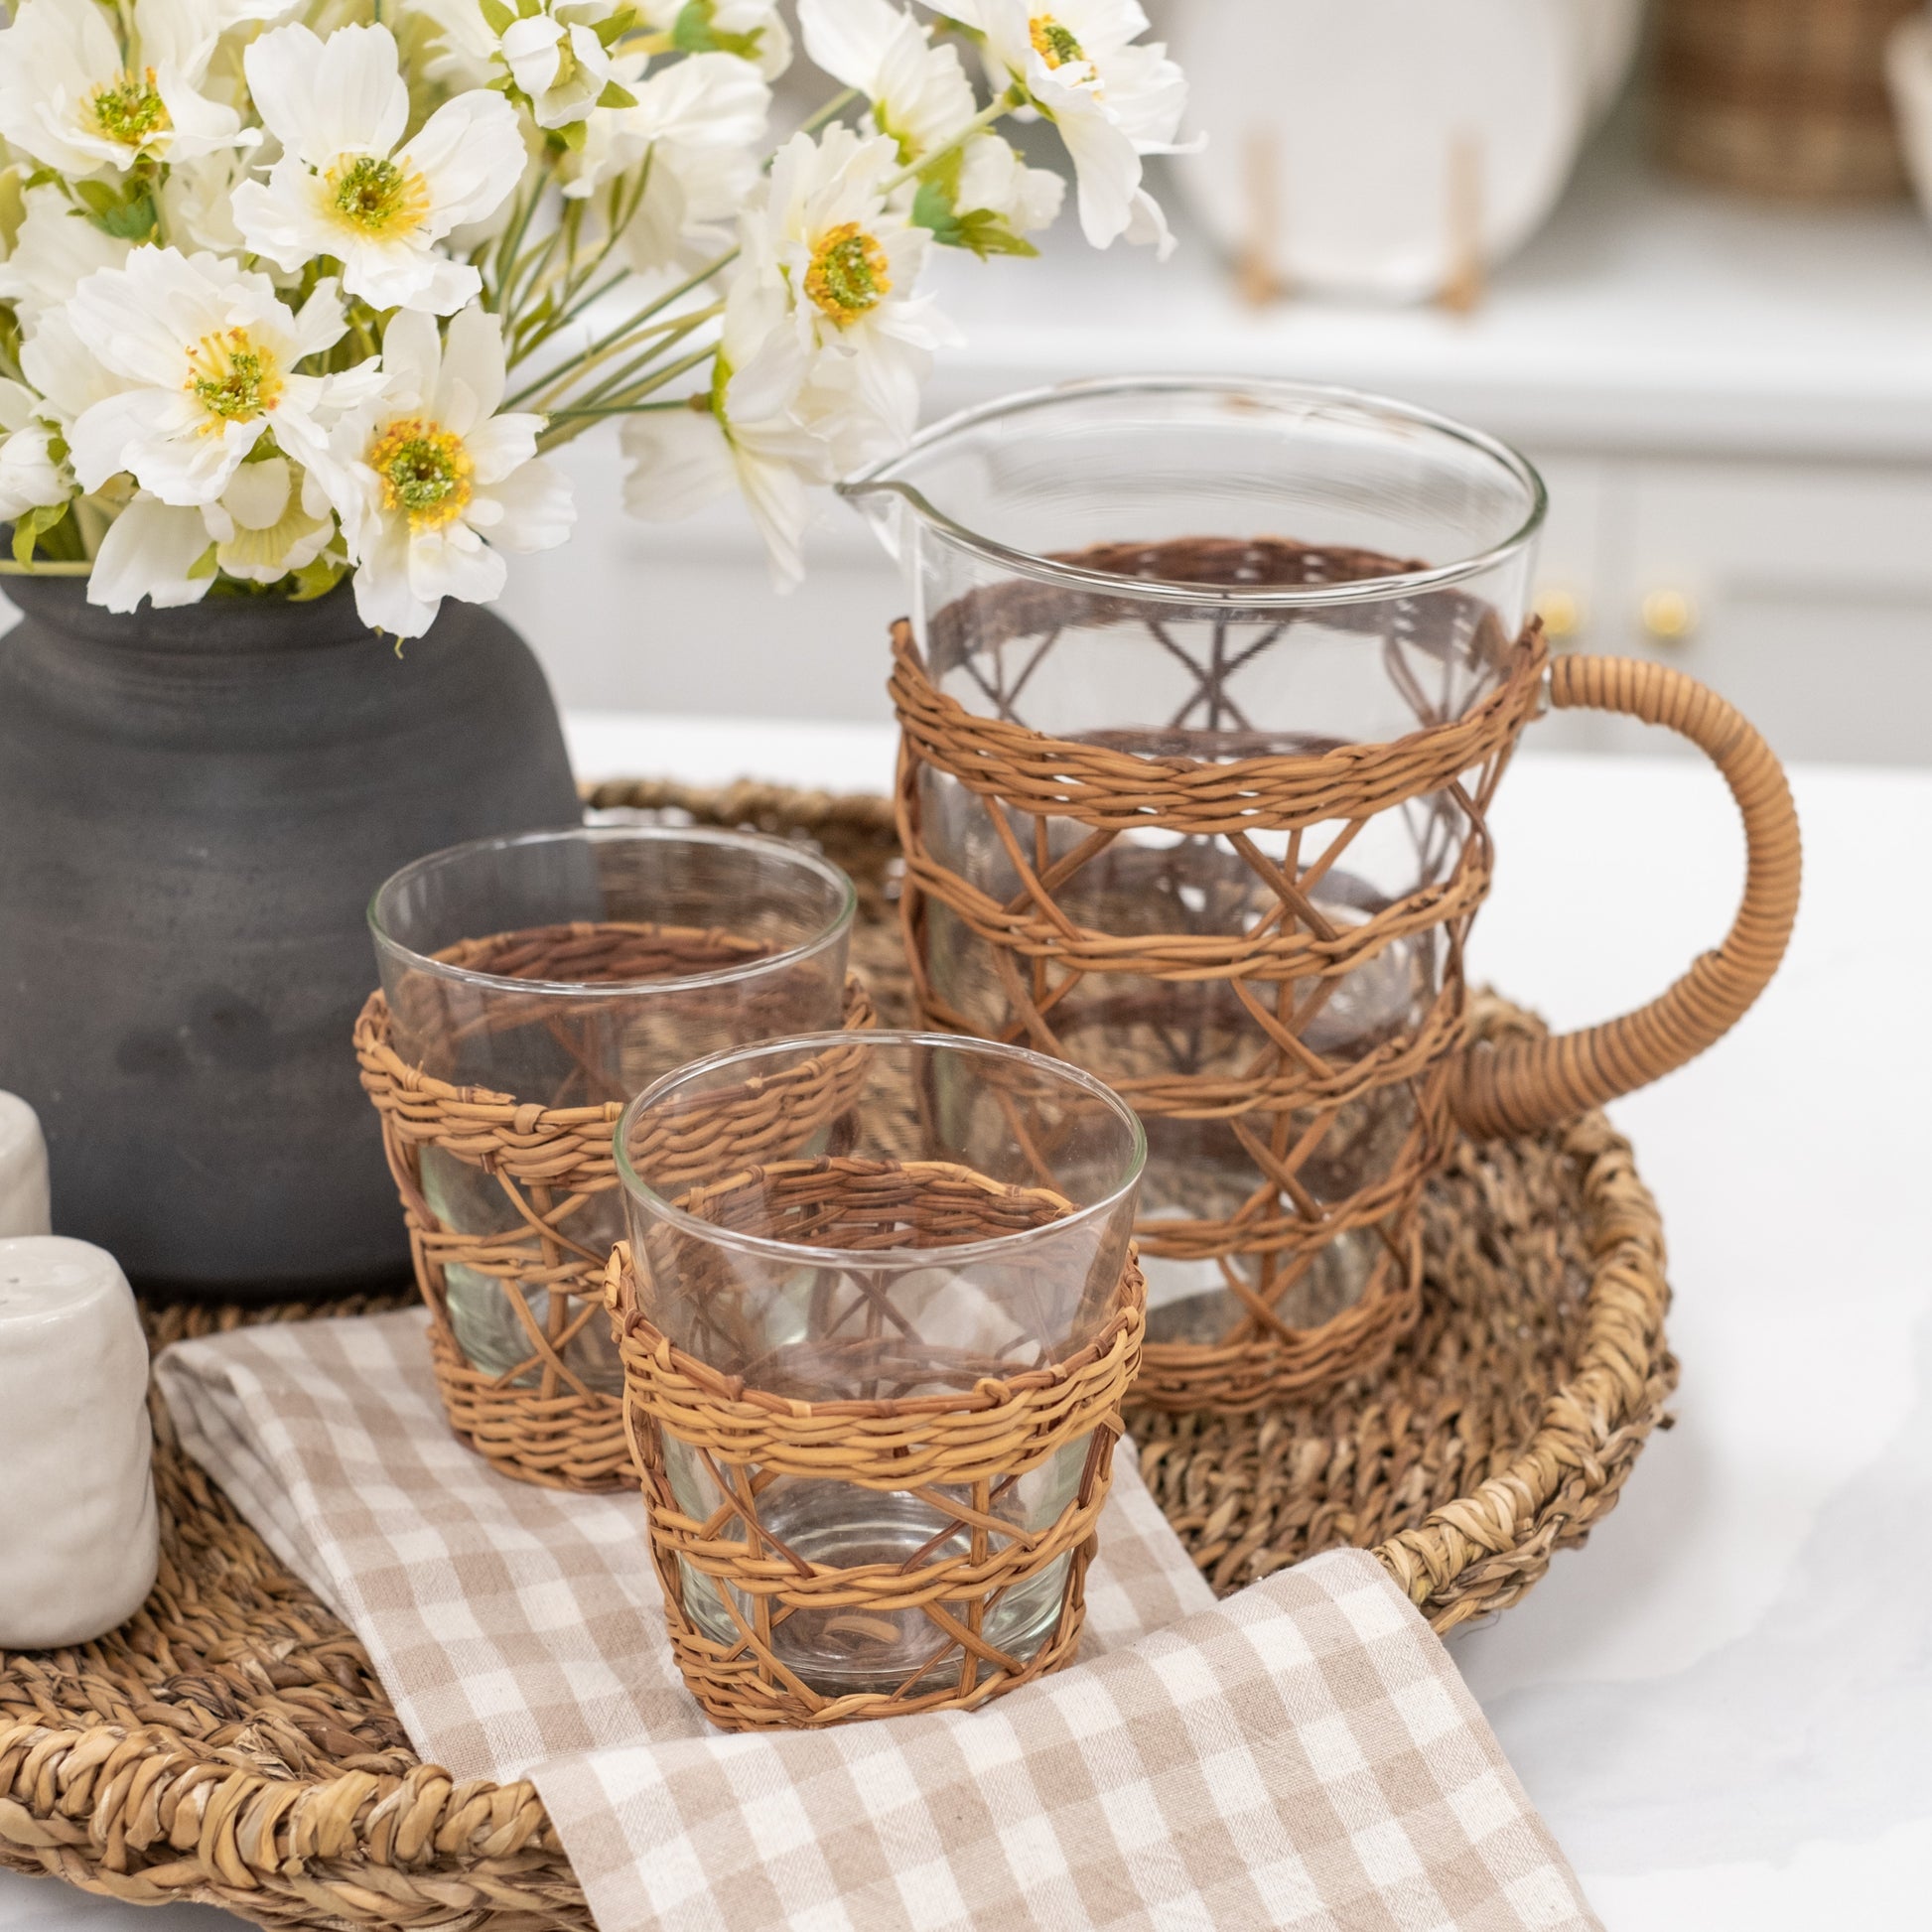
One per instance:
(979,194)
(1113,99)
(64,371)
(748,30)
(77,96)
(207,354)
(432,485)
(557,59)
(343,188)
(152,550)
(997,194)
(684,459)
(55,247)
(196,201)
(462,50)
(744,435)
(271,519)
(847,260)
(31,476)
(700,121)
(919,95)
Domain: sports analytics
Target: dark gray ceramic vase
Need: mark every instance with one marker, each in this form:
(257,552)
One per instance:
(195,808)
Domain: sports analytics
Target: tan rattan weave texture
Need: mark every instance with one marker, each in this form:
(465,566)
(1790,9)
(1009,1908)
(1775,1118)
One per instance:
(1784,99)
(1288,1102)
(1032,793)
(989,1431)
(538,1420)
(231,1746)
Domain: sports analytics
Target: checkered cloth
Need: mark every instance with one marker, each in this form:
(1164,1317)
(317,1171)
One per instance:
(1304,1754)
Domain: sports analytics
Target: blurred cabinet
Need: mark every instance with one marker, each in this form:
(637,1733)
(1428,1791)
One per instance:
(1801,590)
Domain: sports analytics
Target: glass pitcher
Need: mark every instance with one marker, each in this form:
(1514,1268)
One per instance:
(1211,571)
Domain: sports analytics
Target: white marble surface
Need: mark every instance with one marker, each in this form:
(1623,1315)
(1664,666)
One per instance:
(1722,1704)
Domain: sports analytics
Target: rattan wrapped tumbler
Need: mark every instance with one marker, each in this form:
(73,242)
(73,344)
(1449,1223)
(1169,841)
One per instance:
(1207,815)
(874,1366)
(531,986)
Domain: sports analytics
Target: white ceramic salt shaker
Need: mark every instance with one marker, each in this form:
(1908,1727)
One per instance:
(79,1543)
(23,1169)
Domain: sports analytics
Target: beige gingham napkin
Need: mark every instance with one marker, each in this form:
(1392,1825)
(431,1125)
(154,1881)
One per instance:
(1304,1754)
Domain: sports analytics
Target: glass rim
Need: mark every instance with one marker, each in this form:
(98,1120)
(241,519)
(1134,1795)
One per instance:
(878,479)
(896,1258)
(821,868)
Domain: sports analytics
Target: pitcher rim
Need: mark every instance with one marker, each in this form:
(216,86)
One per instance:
(876,478)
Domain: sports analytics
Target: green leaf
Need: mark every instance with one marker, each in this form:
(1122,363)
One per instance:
(934,205)
(611,30)
(693,33)
(317,579)
(31,524)
(987,234)
(13,208)
(932,209)
(498,16)
(127,215)
(572,136)
(616,97)
(204,565)
(134,221)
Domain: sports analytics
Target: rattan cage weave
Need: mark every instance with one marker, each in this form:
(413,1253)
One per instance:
(1023,786)
(538,1420)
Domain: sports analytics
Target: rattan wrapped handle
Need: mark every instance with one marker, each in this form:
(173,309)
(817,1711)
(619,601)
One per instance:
(1530,1084)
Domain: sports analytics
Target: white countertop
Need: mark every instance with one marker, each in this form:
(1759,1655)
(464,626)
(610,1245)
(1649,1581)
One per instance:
(1722,1704)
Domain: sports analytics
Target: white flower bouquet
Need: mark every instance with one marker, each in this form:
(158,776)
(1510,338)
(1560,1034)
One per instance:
(296,290)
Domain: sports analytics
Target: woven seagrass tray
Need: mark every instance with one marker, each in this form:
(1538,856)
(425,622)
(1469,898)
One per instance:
(231,1744)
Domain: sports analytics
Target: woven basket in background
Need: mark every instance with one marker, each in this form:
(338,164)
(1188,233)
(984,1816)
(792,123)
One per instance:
(1784,99)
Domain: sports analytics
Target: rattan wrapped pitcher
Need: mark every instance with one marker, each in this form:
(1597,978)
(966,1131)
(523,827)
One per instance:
(1205,696)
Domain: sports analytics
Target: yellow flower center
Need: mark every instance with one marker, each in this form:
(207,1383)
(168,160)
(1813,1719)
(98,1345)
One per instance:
(848,274)
(1054,43)
(425,471)
(376,196)
(232,378)
(129,110)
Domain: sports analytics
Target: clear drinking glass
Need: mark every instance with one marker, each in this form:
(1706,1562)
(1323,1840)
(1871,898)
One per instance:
(573,968)
(1211,570)
(922,1212)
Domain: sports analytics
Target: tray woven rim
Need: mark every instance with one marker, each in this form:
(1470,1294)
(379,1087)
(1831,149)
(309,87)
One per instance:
(135,1810)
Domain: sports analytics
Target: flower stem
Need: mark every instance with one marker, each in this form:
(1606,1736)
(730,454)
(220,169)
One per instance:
(1000,107)
(551,439)
(621,409)
(672,328)
(615,337)
(832,110)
